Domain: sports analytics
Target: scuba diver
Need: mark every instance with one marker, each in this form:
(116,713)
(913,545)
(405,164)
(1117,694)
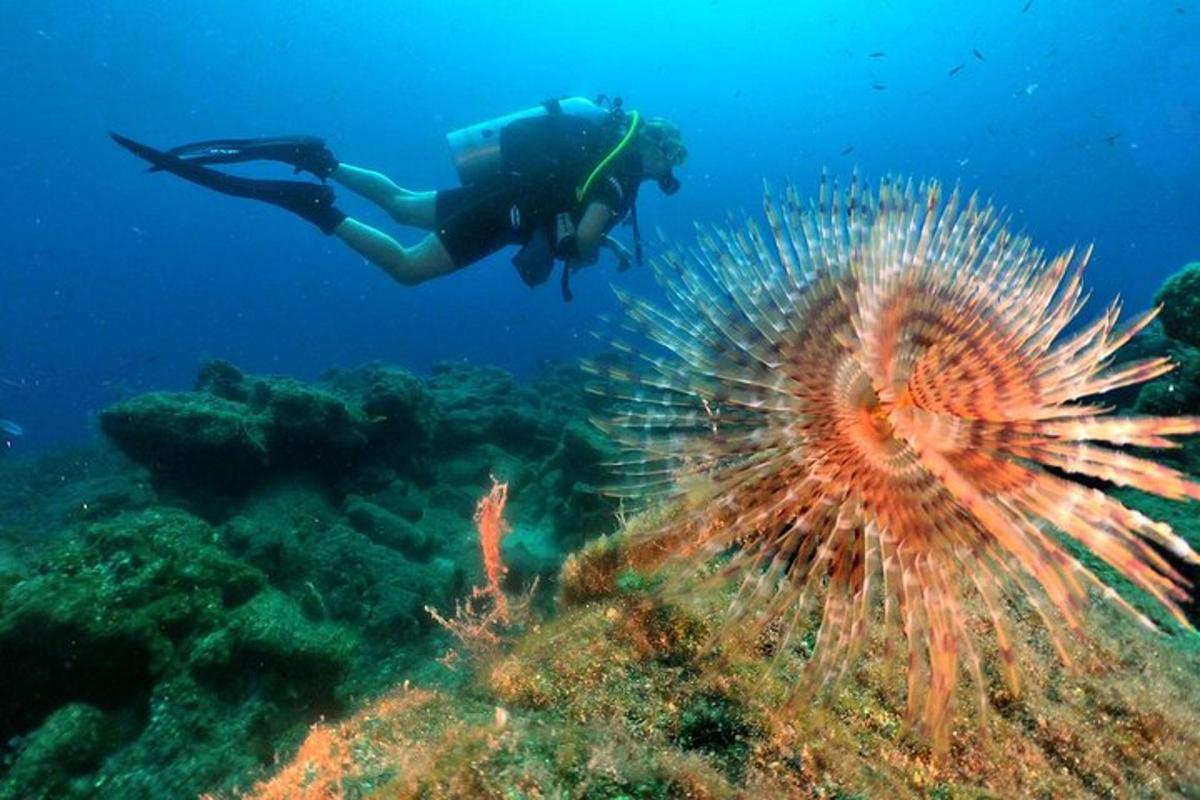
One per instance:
(554,179)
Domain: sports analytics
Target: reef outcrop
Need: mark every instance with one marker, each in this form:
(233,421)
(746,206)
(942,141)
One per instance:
(263,558)
(1178,338)
(1179,297)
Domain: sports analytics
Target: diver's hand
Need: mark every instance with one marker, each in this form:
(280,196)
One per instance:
(624,257)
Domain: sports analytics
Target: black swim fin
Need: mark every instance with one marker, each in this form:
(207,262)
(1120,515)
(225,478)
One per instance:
(310,201)
(303,153)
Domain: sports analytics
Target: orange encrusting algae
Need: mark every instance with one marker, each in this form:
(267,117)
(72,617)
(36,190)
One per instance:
(875,413)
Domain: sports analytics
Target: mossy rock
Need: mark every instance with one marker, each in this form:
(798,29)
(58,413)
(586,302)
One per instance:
(224,380)
(592,573)
(269,640)
(337,573)
(1150,342)
(101,497)
(55,761)
(483,404)
(390,530)
(402,499)
(417,744)
(1180,301)
(400,409)
(570,485)
(530,552)
(1177,392)
(169,662)
(233,432)
(191,439)
(192,739)
(720,726)
(105,614)
(306,426)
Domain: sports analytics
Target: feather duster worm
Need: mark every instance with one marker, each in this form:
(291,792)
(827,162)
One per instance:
(877,411)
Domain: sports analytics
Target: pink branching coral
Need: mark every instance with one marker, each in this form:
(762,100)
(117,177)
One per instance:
(873,414)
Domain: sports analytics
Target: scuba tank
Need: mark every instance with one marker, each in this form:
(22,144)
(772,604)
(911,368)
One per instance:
(516,144)
(476,149)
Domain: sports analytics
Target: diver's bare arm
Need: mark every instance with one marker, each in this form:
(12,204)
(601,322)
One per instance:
(624,257)
(406,207)
(590,233)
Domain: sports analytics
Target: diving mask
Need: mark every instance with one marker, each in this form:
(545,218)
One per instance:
(673,151)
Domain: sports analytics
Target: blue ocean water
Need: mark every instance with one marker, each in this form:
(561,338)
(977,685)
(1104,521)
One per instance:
(1083,120)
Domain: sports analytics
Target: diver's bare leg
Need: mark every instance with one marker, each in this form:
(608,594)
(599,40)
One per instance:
(408,265)
(406,207)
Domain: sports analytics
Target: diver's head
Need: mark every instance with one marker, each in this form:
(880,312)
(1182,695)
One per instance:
(661,146)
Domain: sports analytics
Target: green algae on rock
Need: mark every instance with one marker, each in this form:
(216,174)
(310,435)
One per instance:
(190,439)
(1180,301)
(234,432)
(1178,392)
(109,638)
(202,612)
(623,695)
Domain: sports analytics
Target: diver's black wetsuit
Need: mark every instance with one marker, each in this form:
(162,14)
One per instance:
(546,160)
(551,169)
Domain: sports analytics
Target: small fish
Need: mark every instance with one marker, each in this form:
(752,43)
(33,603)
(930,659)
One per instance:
(957,69)
(847,150)
(978,54)
(878,86)
(876,54)
(7,426)
(1111,139)
(1027,6)
(1027,91)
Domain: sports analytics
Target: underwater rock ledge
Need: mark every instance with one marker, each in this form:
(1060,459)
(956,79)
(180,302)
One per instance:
(174,623)
(619,695)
